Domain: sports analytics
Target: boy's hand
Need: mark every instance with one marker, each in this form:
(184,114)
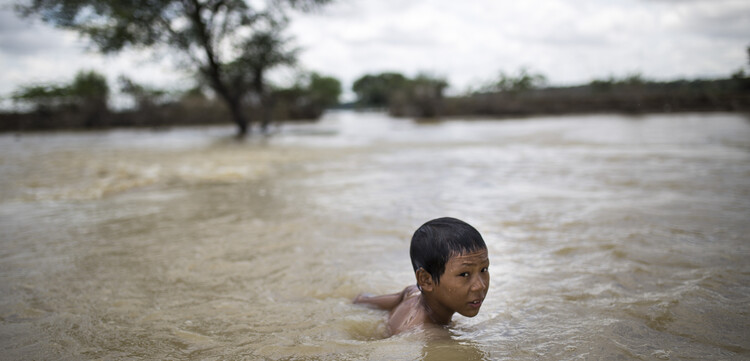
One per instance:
(361,298)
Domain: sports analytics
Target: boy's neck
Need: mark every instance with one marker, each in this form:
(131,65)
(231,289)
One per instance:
(433,311)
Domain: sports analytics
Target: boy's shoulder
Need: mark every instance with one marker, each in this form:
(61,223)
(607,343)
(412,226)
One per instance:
(409,313)
(410,291)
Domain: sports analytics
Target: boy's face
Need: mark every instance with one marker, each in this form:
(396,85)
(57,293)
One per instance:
(464,283)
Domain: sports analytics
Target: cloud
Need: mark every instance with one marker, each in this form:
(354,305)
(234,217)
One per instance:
(732,20)
(708,18)
(23,37)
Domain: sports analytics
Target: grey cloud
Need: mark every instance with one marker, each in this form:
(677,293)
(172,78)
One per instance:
(729,24)
(10,21)
(23,37)
(569,39)
(715,18)
(393,37)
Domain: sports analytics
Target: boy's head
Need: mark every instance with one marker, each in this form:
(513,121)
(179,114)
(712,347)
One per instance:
(436,241)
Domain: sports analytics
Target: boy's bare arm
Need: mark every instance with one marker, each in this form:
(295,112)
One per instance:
(385,302)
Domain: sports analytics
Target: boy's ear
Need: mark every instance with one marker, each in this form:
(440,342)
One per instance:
(424,280)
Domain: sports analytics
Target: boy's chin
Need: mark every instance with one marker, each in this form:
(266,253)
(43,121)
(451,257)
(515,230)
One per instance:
(469,313)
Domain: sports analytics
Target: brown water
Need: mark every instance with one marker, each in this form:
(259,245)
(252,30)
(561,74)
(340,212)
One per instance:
(610,237)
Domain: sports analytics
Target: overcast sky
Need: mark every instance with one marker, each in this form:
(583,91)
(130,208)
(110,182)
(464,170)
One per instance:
(467,42)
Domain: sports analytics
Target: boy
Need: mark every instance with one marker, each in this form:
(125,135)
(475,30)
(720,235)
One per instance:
(451,267)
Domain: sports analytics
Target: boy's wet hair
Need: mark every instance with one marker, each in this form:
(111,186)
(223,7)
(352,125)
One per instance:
(436,241)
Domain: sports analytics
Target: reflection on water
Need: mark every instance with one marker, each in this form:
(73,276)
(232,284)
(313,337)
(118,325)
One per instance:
(610,238)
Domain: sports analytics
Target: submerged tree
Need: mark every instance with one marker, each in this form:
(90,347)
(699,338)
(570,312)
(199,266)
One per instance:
(264,50)
(324,90)
(377,90)
(311,94)
(421,96)
(211,34)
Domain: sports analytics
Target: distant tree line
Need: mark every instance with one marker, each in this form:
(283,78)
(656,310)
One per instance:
(86,94)
(630,94)
(527,93)
(522,82)
(83,103)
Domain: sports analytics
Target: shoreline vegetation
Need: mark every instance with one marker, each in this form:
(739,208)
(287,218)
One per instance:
(640,98)
(83,103)
(230,48)
(527,95)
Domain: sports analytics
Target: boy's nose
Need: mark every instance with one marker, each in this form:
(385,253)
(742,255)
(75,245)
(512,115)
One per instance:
(479,284)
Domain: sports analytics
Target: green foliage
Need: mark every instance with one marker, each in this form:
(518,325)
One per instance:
(90,86)
(262,51)
(425,85)
(266,49)
(602,84)
(324,90)
(89,89)
(634,79)
(421,97)
(186,24)
(42,96)
(377,90)
(631,80)
(521,82)
(309,96)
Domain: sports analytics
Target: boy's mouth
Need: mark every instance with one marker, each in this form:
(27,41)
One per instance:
(475,303)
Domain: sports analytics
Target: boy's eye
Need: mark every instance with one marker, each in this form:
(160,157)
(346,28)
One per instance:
(464,274)
(484,269)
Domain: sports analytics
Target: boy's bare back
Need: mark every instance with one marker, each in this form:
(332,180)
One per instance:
(410,313)
(406,309)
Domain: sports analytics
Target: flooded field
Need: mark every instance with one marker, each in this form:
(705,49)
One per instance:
(610,237)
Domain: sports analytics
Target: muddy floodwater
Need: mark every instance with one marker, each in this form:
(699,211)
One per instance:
(610,237)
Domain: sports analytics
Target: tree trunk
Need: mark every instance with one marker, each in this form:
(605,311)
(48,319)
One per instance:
(266,110)
(235,108)
(265,99)
(213,71)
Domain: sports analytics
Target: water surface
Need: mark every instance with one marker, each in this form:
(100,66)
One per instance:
(610,237)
